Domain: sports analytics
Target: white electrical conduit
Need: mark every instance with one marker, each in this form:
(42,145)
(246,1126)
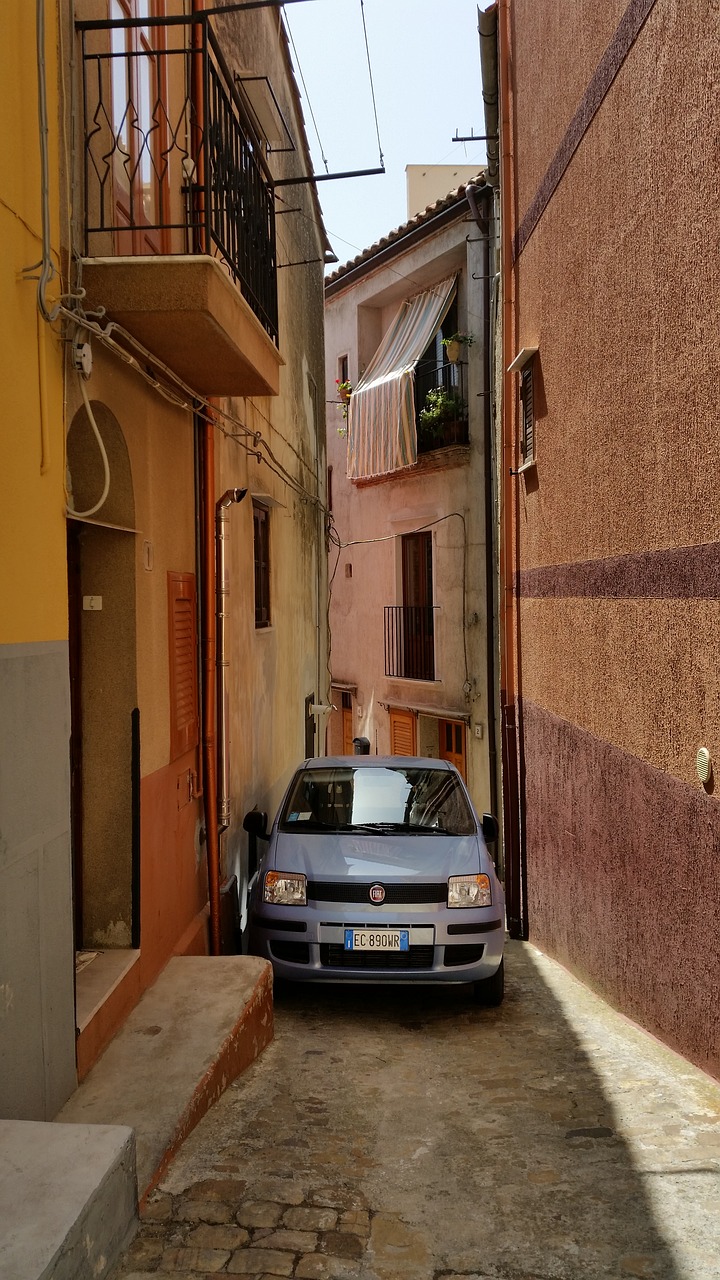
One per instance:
(82,515)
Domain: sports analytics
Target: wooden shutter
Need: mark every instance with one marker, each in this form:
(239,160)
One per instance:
(182,620)
(261,542)
(528,414)
(402,733)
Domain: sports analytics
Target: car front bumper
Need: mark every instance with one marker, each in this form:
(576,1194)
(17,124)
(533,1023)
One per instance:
(305,946)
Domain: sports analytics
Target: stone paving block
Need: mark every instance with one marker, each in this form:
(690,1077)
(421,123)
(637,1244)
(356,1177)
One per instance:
(194,1260)
(145,1254)
(342,1244)
(334,1197)
(259,1213)
(293,1241)
(284,1191)
(356,1221)
(308,1218)
(158,1207)
(316,1266)
(226,1190)
(202,1211)
(253,1262)
(220,1237)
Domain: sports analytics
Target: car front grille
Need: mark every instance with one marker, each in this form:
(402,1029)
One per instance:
(395,894)
(334,956)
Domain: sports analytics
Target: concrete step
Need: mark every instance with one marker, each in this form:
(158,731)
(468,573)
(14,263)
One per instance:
(69,1190)
(68,1203)
(203,1022)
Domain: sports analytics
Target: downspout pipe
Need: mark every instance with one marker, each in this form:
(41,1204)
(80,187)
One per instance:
(209,654)
(222,594)
(487,30)
(509,546)
(473,194)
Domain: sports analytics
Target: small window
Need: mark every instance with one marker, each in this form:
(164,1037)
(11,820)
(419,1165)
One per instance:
(261,544)
(527,433)
(343,369)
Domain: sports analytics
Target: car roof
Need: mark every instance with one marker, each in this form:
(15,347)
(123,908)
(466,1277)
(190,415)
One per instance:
(368,762)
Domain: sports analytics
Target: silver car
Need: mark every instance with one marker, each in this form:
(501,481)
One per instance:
(376,870)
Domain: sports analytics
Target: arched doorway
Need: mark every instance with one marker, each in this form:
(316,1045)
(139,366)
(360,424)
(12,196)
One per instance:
(101,572)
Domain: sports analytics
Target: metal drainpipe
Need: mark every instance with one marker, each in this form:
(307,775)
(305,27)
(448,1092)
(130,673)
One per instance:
(210,680)
(509,545)
(473,193)
(222,592)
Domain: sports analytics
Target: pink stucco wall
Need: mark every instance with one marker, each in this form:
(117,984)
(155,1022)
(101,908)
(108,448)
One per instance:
(617,284)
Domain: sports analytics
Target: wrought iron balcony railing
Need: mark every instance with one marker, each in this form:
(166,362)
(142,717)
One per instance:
(172,163)
(410,641)
(441,406)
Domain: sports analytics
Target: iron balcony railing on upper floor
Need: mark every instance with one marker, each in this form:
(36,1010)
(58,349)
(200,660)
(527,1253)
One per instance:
(410,641)
(172,162)
(441,406)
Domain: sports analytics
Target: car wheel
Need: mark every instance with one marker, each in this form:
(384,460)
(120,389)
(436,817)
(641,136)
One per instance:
(490,991)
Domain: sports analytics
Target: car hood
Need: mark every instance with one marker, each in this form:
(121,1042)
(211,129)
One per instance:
(338,856)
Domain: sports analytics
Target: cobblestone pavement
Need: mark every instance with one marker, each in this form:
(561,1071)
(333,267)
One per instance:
(403,1134)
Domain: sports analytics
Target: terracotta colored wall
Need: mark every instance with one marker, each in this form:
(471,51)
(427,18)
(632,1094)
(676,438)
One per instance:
(173,889)
(617,284)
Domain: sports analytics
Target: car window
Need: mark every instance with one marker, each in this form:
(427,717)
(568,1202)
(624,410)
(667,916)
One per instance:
(417,800)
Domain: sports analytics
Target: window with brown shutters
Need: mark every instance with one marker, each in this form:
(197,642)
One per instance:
(261,545)
(182,625)
(527,437)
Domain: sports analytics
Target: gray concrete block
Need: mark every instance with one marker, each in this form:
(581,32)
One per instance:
(68,1199)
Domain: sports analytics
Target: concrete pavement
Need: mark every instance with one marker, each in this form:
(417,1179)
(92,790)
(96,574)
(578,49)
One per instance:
(404,1134)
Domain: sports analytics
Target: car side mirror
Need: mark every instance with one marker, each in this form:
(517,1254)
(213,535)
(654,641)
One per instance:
(255,823)
(490,828)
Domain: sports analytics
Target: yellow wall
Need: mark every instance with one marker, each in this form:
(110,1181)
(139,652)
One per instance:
(33,586)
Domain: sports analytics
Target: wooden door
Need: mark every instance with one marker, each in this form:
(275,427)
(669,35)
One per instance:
(347,725)
(403,737)
(452,745)
(417,587)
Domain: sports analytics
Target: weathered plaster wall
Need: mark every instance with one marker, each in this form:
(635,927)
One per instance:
(374,515)
(37,1025)
(618,286)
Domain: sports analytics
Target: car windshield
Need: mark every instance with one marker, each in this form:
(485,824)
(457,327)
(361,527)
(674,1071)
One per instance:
(383,798)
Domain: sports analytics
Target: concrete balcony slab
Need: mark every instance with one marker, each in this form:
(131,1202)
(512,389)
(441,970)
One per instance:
(188,312)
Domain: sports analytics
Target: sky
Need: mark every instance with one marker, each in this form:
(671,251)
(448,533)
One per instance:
(425,63)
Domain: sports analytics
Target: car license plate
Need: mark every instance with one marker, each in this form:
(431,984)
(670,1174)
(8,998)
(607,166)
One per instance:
(377,940)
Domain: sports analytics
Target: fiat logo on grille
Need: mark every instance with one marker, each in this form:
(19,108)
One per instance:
(377,893)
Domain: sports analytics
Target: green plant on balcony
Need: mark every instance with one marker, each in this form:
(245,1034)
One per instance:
(441,407)
(454,345)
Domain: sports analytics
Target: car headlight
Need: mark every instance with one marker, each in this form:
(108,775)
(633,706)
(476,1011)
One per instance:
(469,891)
(285,889)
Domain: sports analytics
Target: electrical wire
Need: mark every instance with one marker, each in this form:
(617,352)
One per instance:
(307,95)
(372,86)
(83,515)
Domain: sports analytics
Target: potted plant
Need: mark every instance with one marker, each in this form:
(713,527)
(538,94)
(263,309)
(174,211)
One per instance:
(441,407)
(344,391)
(454,345)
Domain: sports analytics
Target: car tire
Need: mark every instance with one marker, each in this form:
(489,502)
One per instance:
(490,991)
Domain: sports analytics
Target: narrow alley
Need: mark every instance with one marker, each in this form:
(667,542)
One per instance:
(404,1134)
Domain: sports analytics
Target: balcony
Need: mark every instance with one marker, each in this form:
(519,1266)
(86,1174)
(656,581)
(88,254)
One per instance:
(440,406)
(410,641)
(179,221)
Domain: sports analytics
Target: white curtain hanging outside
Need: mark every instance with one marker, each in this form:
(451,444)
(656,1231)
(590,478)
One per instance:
(382,435)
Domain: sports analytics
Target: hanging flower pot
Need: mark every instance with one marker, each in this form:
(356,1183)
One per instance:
(344,391)
(454,345)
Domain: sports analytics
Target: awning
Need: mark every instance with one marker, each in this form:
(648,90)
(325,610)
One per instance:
(382,436)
